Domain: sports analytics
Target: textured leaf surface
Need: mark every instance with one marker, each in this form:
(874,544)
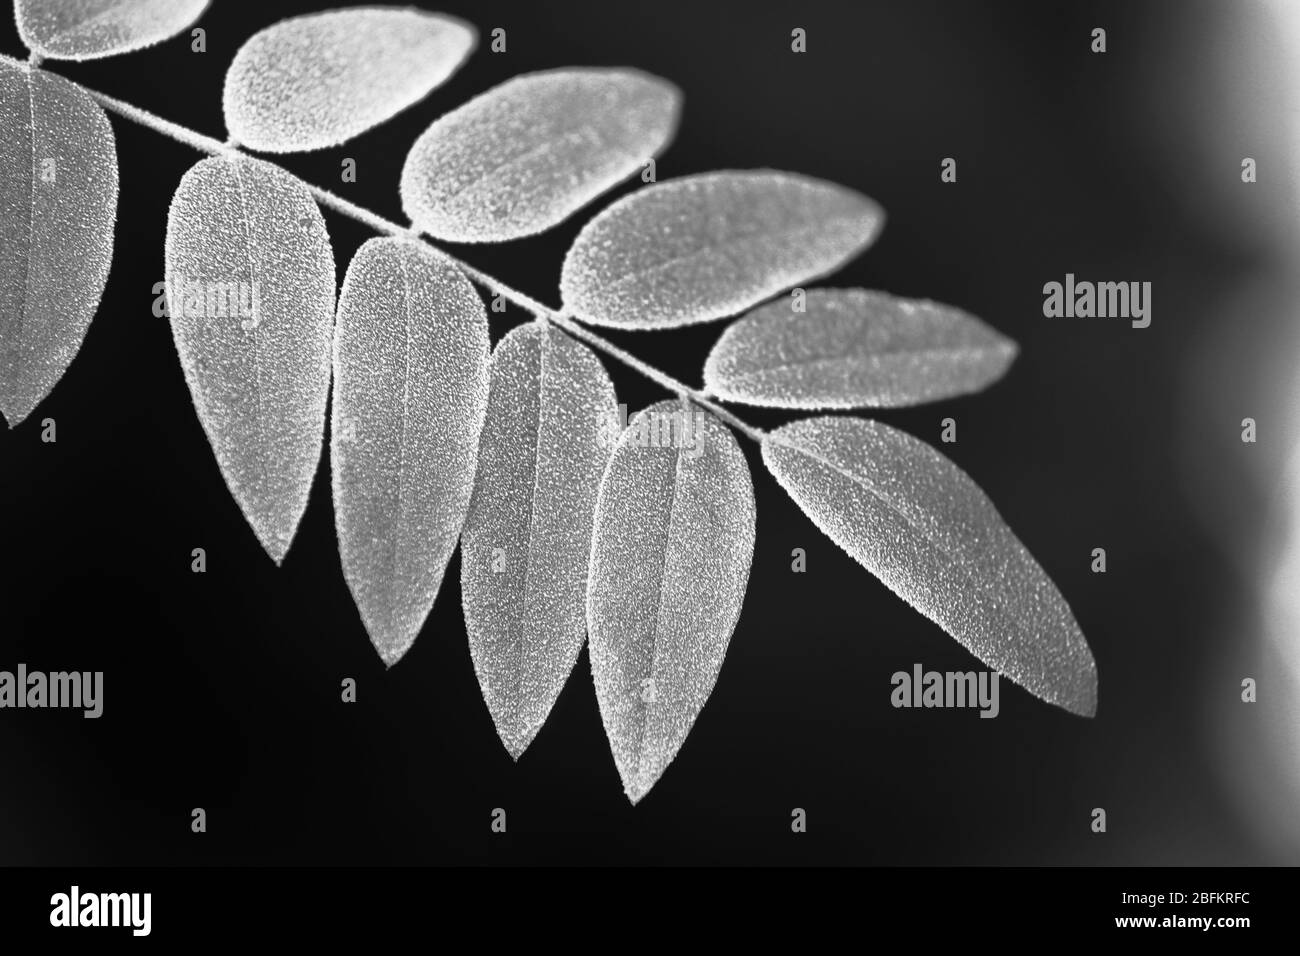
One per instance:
(920,524)
(852,348)
(250,292)
(316,81)
(410,392)
(529,153)
(89,29)
(527,543)
(702,247)
(670,558)
(58,200)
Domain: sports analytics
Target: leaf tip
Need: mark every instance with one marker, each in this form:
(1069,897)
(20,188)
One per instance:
(515,748)
(1078,696)
(390,639)
(1085,702)
(390,653)
(635,791)
(274,542)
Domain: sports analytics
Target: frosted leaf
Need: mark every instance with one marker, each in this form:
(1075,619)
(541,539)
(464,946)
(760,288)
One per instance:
(529,153)
(58,201)
(527,543)
(702,247)
(250,293)
(853,348)
(410,393)
(90,29)
(920,524)
(670,561)
(316,81)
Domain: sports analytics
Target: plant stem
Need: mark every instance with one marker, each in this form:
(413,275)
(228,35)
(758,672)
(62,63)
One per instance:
(214,147)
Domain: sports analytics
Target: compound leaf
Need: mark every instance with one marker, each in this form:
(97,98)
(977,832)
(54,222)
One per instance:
(316,81)
(526,155)
(923,527)
(526,545)
(58,203)
(250,293)
(852,348)
(670,558)
(91,29)
(703,247)
(410,393)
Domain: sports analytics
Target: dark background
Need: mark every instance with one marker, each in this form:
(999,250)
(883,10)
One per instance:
(222,689)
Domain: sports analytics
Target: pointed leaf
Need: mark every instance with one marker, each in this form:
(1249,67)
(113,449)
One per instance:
(58,202)
(853,348)
(670,561)
(920,524)
(316,81)
(250,292)
(527,542)
(410,393)
(527,154)
(702,247)
(90,29)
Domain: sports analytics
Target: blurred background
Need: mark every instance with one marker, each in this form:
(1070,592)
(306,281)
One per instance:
(222,689)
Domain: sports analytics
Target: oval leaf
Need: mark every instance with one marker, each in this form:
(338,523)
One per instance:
(58,202)
(670,558)
(250,292)
(410,392)
(923,527)
(316,81)
(90,29)
(528,154)
(703,247)
(527,542)
(852,348)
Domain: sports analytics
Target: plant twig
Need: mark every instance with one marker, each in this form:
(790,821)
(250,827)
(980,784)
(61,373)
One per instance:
(215,147)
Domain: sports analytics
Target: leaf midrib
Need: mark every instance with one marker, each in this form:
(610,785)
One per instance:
(659,607)
(861,358)
(516,698)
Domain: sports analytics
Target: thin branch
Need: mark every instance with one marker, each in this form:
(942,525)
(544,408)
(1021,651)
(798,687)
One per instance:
(182,134)
(215,147)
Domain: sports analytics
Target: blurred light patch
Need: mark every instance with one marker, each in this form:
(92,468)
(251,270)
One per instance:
(1250,367)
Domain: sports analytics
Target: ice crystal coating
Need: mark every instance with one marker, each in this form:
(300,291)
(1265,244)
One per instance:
(852,348)
(670,559)
(529,153)
(58,202)
(526,545)
(90,29)
(250,293)
(316,81)
(703,247)
(410,394)
(923,527)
